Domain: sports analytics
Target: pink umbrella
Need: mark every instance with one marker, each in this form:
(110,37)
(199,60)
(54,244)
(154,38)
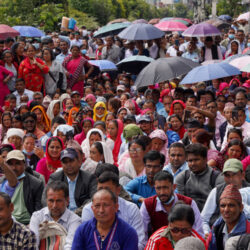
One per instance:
(240,62)
(171,26)
(244,16)
(6,31)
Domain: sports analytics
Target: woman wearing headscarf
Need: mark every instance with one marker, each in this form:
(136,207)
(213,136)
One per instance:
(176,125)
(86,125)
(234,49)
(17,50)
(43,121)
(115,129)
(15,137)
(54,109)
(100,112)
(72,116)
(132,106)
(51,162)
(93,135)
(177,107)
(223,89)
(99,153)
(64,132)
(5,125)
(91,100)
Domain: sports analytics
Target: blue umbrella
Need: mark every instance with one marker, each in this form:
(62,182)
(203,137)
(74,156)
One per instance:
(141,31)
(231,58)
(210,72)
(28,31)
(103,65)
(225,18)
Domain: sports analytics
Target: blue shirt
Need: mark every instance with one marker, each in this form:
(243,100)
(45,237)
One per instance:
(60,58)
(72,187)
(192,56)
(172,137)
(139,188)
(183,167)
(159,106)
(125,237)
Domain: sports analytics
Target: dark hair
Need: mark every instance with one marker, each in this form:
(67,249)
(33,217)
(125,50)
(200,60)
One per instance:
(146,139)
(208,39)
(175,116)
(99,147)
(200,93)
(29,135)
(52,56)
(103,167)
(6,198)
(31,46)
(20,80)
(100,123)
(154,155)
(115,103)
(58,186)
(197,149)
(177,145)
(193,123)
(58,120)
(237,109)
(110,113)
(193,97)
(240,90)
(211,93)
(6,147)
(236,142)
(9,39)
(138,141)
(112,195)
(236,131)
(150,101)
(202,136)
(164,176)
(109,176)
(182,212)
(28,114)
(54,138)
(156,92)
(212,101)
(17,117)
(10,97)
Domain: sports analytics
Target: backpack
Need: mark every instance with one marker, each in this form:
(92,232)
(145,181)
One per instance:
(243,242)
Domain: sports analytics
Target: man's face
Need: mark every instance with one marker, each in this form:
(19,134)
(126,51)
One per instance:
(240,100)
(104,208)
(5,213)
(152,168)
(76,99)
(17,166)
(109,41)
(149,105)
(230,210)
(71,166)
(241,117)
(190,132)
(196,163)
(177,157)
(38,98)
(20,86)
(212,107)
(191,101)
(200,118)
(57,203)
(167,104)
(145,126)
(228,114)
(64,47)
(110,186)
(12,104)
(164,190)
(241,36)
(234,178)
(29,124)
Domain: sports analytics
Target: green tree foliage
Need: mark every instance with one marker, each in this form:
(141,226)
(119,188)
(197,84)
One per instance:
(229,7)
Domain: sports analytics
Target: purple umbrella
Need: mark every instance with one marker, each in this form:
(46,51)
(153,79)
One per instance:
(201,30)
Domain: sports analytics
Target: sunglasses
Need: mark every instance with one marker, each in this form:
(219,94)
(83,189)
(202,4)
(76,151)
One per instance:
(182,230)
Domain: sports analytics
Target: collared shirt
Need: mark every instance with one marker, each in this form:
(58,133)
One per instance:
(76,42)
(139,188)
(72,187)
(226,234)
(69,220)
(26,92)
(60,58)
(183,167)
(159,207)
(112,54)
(19,237)
(192,56)
(159,106)
(124,236)
(127,211)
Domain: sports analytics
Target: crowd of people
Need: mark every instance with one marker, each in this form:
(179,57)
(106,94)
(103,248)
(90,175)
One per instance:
(89,161)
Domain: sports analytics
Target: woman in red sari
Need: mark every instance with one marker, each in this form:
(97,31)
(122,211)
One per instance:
(32,70)
(75,72)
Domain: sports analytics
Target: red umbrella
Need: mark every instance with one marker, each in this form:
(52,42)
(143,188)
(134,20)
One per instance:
(6,31)
(171,26)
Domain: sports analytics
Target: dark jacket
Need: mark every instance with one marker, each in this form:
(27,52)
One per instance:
(222,130)
(85,185)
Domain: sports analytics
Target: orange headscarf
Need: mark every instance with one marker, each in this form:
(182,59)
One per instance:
(46,121)
(70,119)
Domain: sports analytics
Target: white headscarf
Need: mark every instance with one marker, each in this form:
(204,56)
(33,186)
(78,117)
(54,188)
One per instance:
(64,128)
(107,153)
(15,131)
(50,112)
(85,144)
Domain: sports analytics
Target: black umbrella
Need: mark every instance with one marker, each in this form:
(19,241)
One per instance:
(164,69)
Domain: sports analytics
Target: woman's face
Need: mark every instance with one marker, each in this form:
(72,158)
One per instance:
(157,144)
(123,99)
(136,152)
(225,91)
(31,52)
(110,108)
(56,109)
(100,110)
(234,152)
(16,140)
(54,149)
(95,154)
(101,128)
(112,129)
(93,138)
(46,56)
(8,57)
(109,118)
(131,108)
(178,109)
(62,136)
(29,144)
(7,121)
(151,114)
(181,225)
(75,52)
(234,47)
(39,115)
(20,50)
(23,111)
(175,124)
(56,96)
(122,114)
(16,123)
(87,125)
(90,102)
(232,136)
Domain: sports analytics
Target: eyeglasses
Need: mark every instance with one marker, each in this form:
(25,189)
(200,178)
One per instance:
(153,166)
(100,108)
(181,230)
(29,121)
(135,150)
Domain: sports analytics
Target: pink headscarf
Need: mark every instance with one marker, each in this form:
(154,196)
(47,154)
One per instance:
(235,79)
(144,111)
(246,84)
(133,102)
(222,86)
(81,137)
(164,92)
(90,96)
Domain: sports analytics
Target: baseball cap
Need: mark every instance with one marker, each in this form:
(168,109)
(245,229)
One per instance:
(120,87)
(74,93)
(145,118)
(232,165)
(15,154)
(129,118)
(69,153)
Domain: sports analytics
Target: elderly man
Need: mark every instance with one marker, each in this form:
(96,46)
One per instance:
(13,235)
(232,221)
(24,189)
(105,230)
(57,197)
(127,211)
(110,51)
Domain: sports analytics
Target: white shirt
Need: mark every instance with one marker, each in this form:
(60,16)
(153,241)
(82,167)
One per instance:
(26,92)
(172,51)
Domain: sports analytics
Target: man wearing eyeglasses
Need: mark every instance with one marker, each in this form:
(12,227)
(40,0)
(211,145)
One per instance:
(29,124)
(155,209)
(142,187)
